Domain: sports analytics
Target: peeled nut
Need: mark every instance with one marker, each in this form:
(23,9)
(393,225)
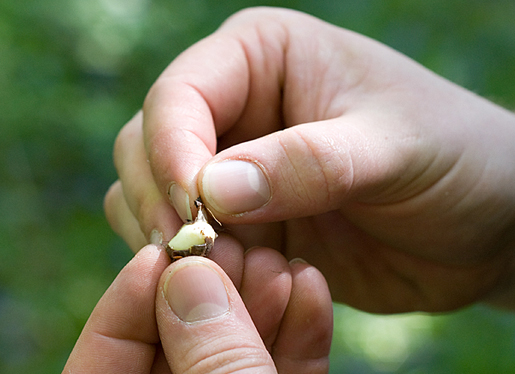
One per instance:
(193,239)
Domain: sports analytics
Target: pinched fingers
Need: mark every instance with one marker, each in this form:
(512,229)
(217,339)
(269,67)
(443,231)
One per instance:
(223,90)
(179,122)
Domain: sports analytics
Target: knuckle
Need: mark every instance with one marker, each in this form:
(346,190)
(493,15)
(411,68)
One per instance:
(247,14)
(333,171)
(310,184)
(155,91)
(259,14)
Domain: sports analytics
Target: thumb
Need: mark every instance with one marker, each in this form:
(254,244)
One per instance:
(203,323)
(304,170)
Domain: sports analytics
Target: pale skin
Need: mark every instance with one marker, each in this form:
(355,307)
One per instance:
(134,330)
(395,183)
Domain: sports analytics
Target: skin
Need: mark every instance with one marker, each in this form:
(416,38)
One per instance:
(395,183)
(404,181)
(133,329)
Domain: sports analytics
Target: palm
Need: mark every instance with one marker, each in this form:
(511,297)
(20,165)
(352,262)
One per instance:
(373,276)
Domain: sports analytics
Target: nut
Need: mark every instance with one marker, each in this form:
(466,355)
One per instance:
(194,238)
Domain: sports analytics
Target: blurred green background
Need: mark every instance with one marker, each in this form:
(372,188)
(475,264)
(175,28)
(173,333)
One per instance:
(72,72)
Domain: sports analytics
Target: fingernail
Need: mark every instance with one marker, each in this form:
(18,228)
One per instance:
(180,201)
(298,260)
(156,237)
(235,186)
(195,293)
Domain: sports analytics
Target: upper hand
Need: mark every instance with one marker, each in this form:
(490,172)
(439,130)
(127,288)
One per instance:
(397,184)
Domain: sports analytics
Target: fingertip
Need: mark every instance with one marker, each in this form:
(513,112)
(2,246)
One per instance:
(181,201)
(298,260)
(203,322)
(304,340)
(297,172)
(195,291)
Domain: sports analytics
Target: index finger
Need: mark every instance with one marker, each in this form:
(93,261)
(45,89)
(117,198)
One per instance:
(228,76)
(121,334)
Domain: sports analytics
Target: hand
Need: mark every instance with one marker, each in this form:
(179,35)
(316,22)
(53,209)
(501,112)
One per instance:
(301,136)
(189,317)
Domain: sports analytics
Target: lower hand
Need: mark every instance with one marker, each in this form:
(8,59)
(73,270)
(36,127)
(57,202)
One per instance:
(189,317)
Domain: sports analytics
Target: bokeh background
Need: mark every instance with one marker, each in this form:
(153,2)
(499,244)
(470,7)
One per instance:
(72,72)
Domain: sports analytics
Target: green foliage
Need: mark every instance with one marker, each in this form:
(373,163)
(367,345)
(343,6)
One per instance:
(73,72)
(476,340)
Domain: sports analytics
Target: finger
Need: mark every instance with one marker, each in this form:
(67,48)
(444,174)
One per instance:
(206,91)
(160,365)
(228,254)
(304,170)
(304,339)
(266,290)
(121,219)
(153,212)
(121,333)
(264,235)
(203,323)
